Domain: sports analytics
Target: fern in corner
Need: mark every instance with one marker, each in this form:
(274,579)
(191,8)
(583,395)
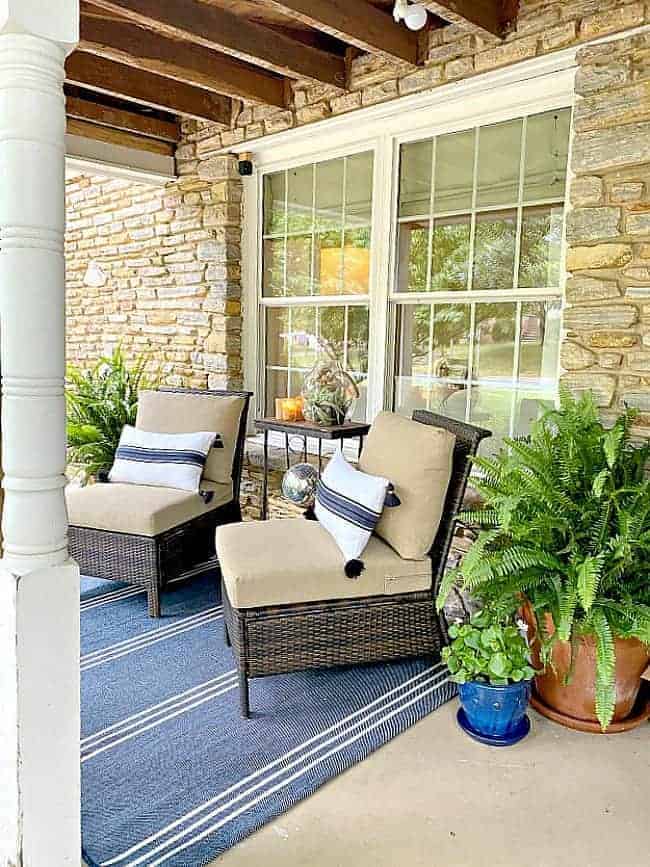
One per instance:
(565,523)
(99,402)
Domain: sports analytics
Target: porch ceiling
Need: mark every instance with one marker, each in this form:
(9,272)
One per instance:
(141,65)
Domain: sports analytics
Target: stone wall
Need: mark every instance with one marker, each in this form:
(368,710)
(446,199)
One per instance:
(450,54)
(608,230)
(164,275)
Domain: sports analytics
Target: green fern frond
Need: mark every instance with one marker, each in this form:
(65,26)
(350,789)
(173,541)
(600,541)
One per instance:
(448,582)
(612,442)
(567,609)
(605,669)
(588,577)
(599,482)
(99,402)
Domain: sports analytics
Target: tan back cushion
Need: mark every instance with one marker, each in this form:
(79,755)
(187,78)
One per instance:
(182,412)
(417,459)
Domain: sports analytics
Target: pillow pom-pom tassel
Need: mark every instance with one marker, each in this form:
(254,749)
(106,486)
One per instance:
(354,568)
(392,499)
(310,514)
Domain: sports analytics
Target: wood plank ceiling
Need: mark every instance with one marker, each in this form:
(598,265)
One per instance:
(143,65)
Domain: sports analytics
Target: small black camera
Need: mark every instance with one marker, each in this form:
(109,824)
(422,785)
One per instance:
(245,166)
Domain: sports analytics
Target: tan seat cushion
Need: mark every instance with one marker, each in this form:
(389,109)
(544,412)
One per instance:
(417,459)
(139,509)
(286,561)
(182,412)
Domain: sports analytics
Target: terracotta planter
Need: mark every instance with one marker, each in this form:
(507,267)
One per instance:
(576,700)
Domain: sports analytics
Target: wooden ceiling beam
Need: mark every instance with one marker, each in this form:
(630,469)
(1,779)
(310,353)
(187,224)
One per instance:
(216,29)
(144,50)
(120,137)
(491,17)
(125,82)
(117,118)
(358,23)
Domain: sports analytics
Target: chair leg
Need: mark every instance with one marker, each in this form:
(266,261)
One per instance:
(226,635)
(244,702)
(153,599)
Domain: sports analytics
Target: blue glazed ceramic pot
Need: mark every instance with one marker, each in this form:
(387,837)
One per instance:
(495,713)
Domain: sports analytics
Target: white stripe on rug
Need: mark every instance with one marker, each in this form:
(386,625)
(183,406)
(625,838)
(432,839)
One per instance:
(178,709)
(149,639)
(115,596)
(98,736)
(125,592)
(211,830)
(93,663)
(149,633)
(409,686)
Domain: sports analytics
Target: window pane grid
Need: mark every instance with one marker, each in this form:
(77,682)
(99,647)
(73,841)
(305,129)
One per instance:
(462,212)
(312,264)
(520,209)
(509,196)
(505,275)
(431,223)
(484,359)
(316,237)
(470,364)
(515,372)
(293,335)
(320,244)
(284,240)
(472,227)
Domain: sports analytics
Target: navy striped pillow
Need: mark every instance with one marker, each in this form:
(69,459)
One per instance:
(162,460)
(349,504)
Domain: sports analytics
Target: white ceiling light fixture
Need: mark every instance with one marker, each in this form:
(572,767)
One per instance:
(415,17)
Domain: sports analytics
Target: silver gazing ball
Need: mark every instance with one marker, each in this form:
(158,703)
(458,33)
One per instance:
(299,484)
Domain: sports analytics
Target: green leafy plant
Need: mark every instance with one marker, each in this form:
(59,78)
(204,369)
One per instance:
(100,401)
(566,524)
(487,651)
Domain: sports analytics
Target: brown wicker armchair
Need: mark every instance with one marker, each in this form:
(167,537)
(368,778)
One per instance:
(276,639)
(148,536)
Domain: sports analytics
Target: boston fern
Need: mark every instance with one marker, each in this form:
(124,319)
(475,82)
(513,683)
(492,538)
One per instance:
(100,401)
(566,523)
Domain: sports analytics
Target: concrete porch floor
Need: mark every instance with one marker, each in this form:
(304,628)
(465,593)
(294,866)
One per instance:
(433,797)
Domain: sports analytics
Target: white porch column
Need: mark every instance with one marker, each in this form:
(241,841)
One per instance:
(39,595)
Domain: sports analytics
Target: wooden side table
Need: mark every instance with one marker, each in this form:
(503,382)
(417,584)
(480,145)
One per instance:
(305,429)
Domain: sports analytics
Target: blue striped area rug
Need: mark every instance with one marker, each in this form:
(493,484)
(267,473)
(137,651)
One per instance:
(171,774)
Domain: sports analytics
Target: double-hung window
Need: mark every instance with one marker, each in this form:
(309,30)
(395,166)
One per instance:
(454,294)
(478,292)
(316,259)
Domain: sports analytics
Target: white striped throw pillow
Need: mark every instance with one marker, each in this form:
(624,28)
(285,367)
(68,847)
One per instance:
(162,460)
(349,504)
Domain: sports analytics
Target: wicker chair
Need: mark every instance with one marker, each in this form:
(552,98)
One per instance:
(151,561)
(278,639)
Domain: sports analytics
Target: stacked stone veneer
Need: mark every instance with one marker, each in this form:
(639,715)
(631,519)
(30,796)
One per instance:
(607,346)
(171,262)
(449,54)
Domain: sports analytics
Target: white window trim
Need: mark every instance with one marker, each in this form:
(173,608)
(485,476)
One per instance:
(528,87)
